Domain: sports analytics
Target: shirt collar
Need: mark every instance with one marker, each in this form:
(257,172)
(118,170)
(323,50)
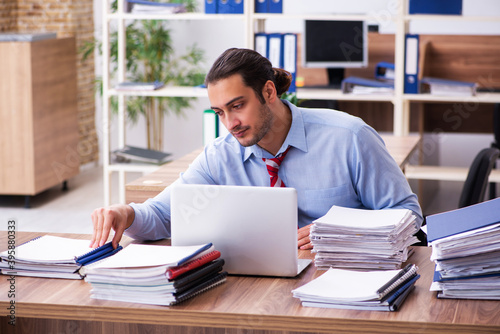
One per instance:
(296,136)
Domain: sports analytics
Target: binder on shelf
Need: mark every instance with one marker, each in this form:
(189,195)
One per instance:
(449,7)
(211,6)
(230,6)
(437,86)
(210,126)
(357,85)
(139,86)
(384,71)
(261,44)
(462,220)
(290,58)
(275,6)
(275,49)
(132,153)
(150,7)
(411,84)
(261,6)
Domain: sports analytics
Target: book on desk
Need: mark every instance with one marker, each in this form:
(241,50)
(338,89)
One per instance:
(359,290)
(158,275)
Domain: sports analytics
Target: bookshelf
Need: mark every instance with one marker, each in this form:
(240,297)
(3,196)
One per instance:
(253,23)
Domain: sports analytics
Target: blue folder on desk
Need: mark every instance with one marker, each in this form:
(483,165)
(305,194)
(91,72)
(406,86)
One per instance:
(471,217)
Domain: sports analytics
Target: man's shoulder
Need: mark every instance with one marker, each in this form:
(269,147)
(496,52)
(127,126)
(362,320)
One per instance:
(331,118)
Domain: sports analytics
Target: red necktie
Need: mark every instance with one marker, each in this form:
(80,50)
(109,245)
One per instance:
(273,166)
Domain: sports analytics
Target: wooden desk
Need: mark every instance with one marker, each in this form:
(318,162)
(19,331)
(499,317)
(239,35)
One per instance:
(401,149)
(241,305)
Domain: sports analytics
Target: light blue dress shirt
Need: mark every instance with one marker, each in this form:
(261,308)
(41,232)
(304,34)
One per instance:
(334,159)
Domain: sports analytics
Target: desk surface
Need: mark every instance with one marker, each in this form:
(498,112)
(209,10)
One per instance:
(400,148)
(250,303)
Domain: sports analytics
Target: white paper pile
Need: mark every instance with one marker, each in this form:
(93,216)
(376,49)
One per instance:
(363,239)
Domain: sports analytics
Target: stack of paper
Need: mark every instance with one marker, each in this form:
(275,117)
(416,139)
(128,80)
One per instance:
(466,249)
(156,7)
(363,239)
(50,256)
(159,275)
(369,290)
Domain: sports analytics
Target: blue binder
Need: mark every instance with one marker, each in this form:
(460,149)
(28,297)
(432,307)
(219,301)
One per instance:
(275,6)
(275,49)
(411,84)
(211,6)
(290,58)
(441,7)
(261,44)
(230,6)
(384,71)
(462,220)
(261,6)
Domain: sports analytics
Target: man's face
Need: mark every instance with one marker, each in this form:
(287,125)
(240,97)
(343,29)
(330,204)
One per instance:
(240,110)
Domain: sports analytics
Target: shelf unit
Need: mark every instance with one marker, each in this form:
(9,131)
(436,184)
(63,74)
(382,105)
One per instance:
(255,22)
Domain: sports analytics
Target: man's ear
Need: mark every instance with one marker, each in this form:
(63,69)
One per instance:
(269,91)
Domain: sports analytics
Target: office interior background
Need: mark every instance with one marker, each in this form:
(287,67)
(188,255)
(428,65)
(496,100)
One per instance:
(70,211)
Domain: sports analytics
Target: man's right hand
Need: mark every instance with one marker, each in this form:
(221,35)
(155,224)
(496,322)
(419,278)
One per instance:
(117,217)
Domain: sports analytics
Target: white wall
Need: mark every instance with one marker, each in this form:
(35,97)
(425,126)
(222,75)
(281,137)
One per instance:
(183,134)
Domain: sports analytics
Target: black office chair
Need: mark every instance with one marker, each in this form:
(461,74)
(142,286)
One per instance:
(496,143)
(477,178)
(475,184)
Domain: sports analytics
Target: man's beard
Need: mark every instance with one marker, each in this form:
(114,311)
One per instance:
(266,117)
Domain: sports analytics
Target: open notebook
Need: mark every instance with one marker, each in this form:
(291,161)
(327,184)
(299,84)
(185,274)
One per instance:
(254,228)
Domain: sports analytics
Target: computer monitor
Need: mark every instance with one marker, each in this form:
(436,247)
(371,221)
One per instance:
(335,45)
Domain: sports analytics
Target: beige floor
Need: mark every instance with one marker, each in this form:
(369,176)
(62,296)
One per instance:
(69,211)
(55,210)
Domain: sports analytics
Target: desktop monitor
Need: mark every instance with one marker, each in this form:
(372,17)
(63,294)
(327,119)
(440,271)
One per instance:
(335,45)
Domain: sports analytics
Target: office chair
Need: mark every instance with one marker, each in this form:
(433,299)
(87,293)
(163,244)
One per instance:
(477,178)
(475,184)
(496,143)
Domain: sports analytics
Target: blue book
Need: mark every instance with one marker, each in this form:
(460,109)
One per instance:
(441,7)
(471,217)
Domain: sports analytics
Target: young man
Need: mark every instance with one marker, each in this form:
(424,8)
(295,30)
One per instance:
(329,157)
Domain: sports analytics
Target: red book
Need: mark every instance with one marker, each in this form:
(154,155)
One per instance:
(179,270)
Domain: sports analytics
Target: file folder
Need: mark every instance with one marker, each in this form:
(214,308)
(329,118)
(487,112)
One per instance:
(210,126)
(261,44)
(261,6)
(384,71)
(211,6)
(290,58)
(230,6)
(275,6)
(441,7)
(275,50)
(462,220)
(411,84)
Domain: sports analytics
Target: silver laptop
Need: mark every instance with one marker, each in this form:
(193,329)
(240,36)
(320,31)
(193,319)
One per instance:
(254,228)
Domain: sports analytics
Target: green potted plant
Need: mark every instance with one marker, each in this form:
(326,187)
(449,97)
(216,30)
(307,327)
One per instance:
(150,57)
